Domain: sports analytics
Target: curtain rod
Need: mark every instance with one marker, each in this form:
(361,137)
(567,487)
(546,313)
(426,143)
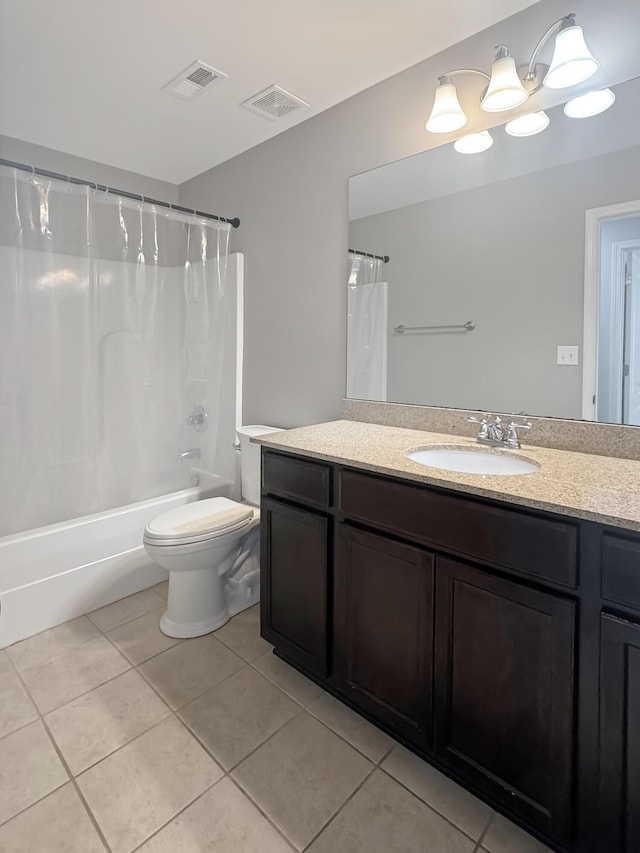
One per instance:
(383,258)
(45,173)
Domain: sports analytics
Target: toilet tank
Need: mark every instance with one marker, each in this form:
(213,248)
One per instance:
(250,460)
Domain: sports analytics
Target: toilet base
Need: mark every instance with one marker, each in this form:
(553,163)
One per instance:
(187,630)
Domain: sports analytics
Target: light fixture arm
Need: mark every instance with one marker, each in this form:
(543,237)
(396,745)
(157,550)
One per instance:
(560,24)
(444,78)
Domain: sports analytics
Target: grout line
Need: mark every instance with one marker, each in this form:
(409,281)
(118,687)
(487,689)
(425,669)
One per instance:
(74,782)
(55,656)
(194,698)
(485,832)
(132,618)
(70,651)
(177,814)
(433,808)
(262,812)
(342,807)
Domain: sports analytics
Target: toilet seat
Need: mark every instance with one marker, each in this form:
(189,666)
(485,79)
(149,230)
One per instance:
(199,521)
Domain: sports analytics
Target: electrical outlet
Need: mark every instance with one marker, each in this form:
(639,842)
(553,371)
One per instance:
(568,356)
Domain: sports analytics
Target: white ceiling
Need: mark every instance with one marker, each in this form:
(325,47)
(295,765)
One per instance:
(85,77)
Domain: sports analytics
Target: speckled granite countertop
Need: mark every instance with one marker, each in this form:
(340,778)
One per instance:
(598,488)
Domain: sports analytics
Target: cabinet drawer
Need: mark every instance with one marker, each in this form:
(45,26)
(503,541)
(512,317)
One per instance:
(297,479)
(508,538)
(621,569)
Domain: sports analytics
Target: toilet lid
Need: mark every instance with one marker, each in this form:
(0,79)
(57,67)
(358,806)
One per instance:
(200,519)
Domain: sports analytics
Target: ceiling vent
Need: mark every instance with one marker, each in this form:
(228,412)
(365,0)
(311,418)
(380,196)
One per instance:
(274,103)
(192,81)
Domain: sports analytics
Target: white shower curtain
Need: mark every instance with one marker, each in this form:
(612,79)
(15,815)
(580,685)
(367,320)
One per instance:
(366,330)
(113,315)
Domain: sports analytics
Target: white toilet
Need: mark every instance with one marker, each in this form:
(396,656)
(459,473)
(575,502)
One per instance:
(211,549)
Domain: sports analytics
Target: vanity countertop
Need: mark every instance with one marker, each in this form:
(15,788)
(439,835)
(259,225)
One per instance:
(597,488)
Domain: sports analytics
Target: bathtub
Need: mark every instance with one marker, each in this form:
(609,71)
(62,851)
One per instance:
(55,573)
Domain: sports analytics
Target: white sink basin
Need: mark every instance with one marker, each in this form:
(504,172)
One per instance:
(471,460)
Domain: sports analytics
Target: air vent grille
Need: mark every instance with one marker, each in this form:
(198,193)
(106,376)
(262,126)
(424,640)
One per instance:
(274,103)
(192,81)
(201,76)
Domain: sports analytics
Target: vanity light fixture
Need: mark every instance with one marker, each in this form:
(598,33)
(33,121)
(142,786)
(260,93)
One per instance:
(510,85)
(528,125)
(505,91)
(447,114)
(590,104)
(474,143)
(572,61)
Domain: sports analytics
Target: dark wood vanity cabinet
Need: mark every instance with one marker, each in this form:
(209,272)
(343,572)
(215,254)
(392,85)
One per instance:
(501,644)
(619,786)
(382,629)
(294,560)
(504,691)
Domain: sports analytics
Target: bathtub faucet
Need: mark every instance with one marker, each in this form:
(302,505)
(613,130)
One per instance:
(194,453)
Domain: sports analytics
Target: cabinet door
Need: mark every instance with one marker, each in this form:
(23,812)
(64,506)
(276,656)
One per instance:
(504,692)
(383,630)
(294,564)
(620,736)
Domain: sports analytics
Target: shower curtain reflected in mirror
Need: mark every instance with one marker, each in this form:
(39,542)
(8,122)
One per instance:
(366,330)
(113,317)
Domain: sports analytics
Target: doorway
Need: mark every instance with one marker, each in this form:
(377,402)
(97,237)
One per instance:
(611,374)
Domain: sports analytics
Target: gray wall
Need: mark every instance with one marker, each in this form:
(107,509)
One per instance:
(291,195)
(88,170)
(509,256)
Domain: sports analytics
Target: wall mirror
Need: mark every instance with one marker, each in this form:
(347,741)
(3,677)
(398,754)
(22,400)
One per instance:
(513,275)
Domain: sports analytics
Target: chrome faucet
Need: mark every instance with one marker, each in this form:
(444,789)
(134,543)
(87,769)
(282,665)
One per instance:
(496,433)
(194,453)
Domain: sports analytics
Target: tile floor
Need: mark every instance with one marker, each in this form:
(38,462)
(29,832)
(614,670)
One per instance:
(114,737)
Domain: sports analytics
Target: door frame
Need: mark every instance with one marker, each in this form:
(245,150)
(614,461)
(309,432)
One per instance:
(592,269)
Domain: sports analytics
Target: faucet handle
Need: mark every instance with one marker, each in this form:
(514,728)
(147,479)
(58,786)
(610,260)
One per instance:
(484,425)
(512,433)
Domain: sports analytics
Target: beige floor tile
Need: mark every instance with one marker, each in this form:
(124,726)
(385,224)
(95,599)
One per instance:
(383,817)
(445,796)
(16,709)
(133,792)
(162,589)
(505,837)
(221,821)
(98,723)
(5,665)
(49,644)
(352,727)
(235,717)
(70,675)
(113,615)
(301,777)
(242,634)
(288,679)
(142,638)
(186,671)
(57,824)
(29,769)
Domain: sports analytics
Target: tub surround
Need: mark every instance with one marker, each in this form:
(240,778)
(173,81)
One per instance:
(595,488)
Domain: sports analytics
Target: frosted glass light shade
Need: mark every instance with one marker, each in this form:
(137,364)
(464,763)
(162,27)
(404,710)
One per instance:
(447,114)
(590,104)
(505,89)
(572,60)
(528,125)
(473,143)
